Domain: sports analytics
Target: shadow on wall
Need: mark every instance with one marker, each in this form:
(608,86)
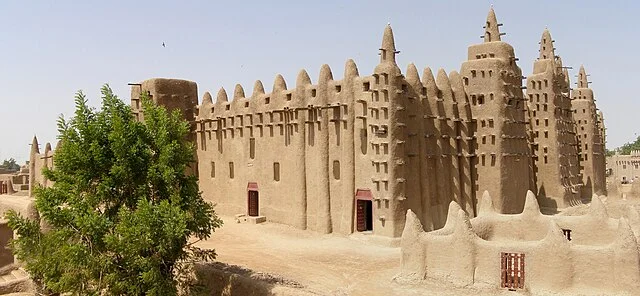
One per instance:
(548,206)
(230,280)
(587,191)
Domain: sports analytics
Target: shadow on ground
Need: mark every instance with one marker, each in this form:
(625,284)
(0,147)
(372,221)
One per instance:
(218,278)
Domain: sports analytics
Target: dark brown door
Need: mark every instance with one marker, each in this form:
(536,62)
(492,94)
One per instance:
(361,224)
(364,215)
(253,203)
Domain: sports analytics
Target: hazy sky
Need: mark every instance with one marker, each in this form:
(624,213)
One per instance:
(51,49)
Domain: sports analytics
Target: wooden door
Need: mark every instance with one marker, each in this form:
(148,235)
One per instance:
(512,271)
(361,223)
(253,203)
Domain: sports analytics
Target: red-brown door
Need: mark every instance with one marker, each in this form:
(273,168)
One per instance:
(253,203)
(361,224)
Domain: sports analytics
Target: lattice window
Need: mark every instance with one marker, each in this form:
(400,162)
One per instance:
(512,270)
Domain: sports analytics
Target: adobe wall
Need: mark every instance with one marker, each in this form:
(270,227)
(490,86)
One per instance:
(590,135)
(607,263)
(493,81)
(554,140)
(37,162)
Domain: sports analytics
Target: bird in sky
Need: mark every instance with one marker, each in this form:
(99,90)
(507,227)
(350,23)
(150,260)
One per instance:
(163,44)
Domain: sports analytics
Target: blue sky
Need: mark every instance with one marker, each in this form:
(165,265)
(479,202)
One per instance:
(49,50)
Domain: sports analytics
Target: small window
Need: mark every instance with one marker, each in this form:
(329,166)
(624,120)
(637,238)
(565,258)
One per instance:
(466,81)
(267,100)
(246,104)
(545,159)
(227,107)
(288,97)
(313,93)
(338,88)
(366,86)
(252,148)
(213,169)
(276,171)
(231,170)
(480,99)
(336,170)
(473,73)
(546,83)
(546,134)
(546,122)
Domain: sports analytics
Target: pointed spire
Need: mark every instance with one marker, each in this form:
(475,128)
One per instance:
(222,96)
(582,78)
(625,238)
(238,92)
(442,81)
(429,82)
(452,216)
(486,205)
(491,28)
(597,209)
(412,227)
(258,88)
(412,75)
(531,207)
(58,145)
(546,46)
(350,69)
(325,74)
(555,235)
(388,48)
(47,148)
(206,99)
(303,78)
(34,146)
(457,86)
(279,84)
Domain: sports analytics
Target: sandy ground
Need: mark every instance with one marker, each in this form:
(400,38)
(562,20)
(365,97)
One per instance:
(322,264)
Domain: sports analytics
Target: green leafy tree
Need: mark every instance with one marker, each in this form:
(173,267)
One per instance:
(122,215)
(10,164)
(628,147)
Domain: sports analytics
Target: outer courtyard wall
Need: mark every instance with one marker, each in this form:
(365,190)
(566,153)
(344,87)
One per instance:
(609,265)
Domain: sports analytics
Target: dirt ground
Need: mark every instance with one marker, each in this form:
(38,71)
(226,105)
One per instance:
(319,264)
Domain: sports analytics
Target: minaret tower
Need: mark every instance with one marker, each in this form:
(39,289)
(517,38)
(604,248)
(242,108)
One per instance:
(388,140)
(493,82)
(590,138)
(554,141)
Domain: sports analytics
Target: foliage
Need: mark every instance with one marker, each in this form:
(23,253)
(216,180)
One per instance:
(628,147)
(122,215)
(10,165)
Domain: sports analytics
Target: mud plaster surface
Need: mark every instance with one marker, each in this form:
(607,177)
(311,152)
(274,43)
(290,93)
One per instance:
(324,264)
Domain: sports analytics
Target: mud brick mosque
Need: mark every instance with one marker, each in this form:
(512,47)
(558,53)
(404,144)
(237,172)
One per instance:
(354,155)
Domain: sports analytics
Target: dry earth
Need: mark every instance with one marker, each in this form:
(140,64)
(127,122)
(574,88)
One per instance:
(317,264)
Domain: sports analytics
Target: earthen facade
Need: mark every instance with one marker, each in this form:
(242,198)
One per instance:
(591,137)
(353,155)
(553,130)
